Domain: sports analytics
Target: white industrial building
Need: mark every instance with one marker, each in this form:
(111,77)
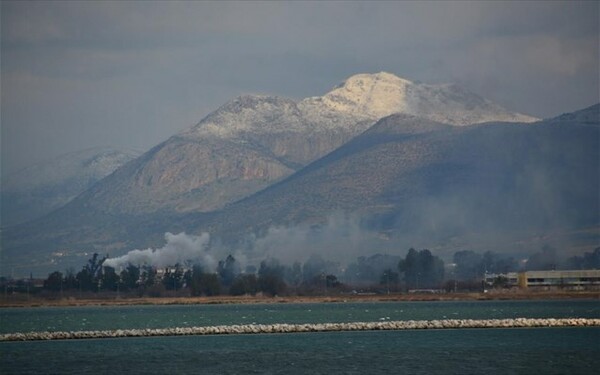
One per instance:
(571,279)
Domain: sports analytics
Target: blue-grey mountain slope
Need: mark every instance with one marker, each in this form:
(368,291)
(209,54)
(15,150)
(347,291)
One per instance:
(254,140)
(243,147)
(493,185)
(36,190)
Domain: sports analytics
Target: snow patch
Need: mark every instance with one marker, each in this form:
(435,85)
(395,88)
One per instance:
(353,106)
(368,95)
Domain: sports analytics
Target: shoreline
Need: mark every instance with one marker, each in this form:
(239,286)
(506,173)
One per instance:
(346,298)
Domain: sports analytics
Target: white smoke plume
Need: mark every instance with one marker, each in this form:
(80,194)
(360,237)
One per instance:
(179,248)
(341,238)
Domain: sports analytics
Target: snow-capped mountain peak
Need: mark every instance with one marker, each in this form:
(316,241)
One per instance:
(374,96)
(353,106)
(369,95)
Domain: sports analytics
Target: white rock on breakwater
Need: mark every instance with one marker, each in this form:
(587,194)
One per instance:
(298,328)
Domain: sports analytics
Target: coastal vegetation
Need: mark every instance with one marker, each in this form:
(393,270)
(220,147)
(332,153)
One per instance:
(420,271)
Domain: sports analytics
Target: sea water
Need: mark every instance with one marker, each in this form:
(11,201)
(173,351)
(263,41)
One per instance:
(462,351)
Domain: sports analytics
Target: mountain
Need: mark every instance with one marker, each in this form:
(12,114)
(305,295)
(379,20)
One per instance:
(375,96)
(247,145)
(416,181)
(254,141)
(588,115)
(244,146)
(36,190)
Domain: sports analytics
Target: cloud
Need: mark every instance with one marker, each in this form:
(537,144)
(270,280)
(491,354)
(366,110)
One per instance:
(145,71)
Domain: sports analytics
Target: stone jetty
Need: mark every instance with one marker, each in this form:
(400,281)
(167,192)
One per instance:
(309,327)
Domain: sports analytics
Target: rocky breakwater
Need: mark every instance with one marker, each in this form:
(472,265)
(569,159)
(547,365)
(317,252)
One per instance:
(300,328)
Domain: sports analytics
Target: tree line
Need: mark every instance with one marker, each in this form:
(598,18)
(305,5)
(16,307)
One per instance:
(419,269)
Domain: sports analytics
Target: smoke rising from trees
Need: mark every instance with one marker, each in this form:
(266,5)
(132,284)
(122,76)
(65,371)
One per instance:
(179,249)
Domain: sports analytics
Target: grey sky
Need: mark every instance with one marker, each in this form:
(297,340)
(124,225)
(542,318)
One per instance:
(130,74)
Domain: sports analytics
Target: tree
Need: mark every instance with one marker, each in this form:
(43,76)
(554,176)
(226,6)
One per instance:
(148,276)
(173,278)
(54,282)
(70,280)
(228,270)
(410,267)
(314,266)
(130,276)
(421,269)
(293,275)
(244,284)
(331,281)
(389,278)
(86,281)
(202,283)
(94,265)
(210,285)
(368,270)
(500,282)
(194,281)
(109,280)
(88,278)
(270,277)
(469,265)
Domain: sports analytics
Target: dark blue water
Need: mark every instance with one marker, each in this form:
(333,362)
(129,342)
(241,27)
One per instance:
(466,351)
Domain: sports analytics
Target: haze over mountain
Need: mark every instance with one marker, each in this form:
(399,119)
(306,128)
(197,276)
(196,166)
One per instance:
(43,187)
(415,181)
(405,181)
(254,141)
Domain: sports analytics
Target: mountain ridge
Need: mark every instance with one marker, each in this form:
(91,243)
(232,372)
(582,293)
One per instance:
(523,180)
(253,141)
(195,179)
(42,187)
(382,94)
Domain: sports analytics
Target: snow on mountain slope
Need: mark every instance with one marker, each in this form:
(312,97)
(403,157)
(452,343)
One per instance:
(374,96)
(255,140)
(370,96)
(352,106)
(242,147)
(250,113)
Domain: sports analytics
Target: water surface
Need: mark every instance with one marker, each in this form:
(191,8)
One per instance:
(462,351)
(149,316)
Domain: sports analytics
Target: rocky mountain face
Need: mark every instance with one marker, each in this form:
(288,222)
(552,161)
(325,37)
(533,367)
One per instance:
(41,188)
(254,141)
(192,180)
(416,181)
(241,148)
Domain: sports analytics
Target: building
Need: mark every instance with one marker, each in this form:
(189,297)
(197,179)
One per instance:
(569,279)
